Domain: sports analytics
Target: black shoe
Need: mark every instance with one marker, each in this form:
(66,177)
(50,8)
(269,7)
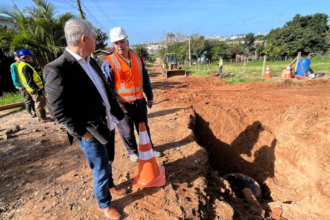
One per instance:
(29,110)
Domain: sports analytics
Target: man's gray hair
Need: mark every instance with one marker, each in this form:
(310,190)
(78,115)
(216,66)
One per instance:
(75,28)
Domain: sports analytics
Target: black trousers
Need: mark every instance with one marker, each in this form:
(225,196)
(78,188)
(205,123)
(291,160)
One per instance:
(136,113)
(27,98)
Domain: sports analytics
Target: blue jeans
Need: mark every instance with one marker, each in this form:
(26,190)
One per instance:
(220,69)
(99,158)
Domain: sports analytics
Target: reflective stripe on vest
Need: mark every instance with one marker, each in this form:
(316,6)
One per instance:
(123,90)
(127,86)
(115,61)
(130,98)
(138,89)
(22,79)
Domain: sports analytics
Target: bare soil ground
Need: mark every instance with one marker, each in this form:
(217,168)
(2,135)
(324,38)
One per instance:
(277,133)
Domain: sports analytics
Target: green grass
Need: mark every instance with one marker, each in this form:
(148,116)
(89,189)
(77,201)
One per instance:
(240,79)
(9,98)
(199,72)
(253,70)
(148,65)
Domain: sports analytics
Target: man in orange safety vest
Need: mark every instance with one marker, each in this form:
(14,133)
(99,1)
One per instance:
(129,80)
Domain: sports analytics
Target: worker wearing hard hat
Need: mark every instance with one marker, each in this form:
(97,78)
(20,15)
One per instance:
(33,84)
(220,64)
(127,76)
(29,103)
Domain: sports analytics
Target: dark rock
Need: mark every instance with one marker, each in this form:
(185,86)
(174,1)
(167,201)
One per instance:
(10,131)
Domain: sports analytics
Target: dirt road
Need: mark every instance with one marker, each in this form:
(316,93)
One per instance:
(276,133)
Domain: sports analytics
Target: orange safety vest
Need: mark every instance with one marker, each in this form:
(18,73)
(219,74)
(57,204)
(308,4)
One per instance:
(128,81)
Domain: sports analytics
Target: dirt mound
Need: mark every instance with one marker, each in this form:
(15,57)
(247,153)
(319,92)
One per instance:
(223,210)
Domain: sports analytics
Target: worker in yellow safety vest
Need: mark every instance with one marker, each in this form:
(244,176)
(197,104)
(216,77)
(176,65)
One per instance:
(32,83)
(129,80)
(220,64)
(29,103)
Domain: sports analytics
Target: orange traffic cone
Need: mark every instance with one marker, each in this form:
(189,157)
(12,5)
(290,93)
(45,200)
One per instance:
(149,174)
(288,73)
(267,75)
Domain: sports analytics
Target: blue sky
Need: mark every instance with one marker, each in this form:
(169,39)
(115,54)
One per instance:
(147,20)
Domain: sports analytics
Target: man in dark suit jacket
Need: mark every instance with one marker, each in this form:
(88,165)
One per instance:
(79,99)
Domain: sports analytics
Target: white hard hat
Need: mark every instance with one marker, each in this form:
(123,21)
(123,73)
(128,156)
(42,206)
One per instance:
(117,33)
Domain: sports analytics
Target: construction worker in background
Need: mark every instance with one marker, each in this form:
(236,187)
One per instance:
(29,103)
(220,64)
(32,82)
(127,76)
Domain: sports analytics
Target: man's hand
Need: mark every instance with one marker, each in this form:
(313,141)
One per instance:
(88,135)
(22,89)
(150,103)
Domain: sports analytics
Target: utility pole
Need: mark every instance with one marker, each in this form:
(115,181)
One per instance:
(189,54)
(82,14)
(244,65)
(264,65)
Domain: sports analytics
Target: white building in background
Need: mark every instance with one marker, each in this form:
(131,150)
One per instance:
(154,46)
(5,21)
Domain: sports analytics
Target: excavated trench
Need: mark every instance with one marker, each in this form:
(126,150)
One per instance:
(251,147)
(227,158)
(276,133)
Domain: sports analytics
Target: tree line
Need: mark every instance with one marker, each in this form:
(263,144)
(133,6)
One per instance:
(306,34)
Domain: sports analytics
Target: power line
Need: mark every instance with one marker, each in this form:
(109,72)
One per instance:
(92,16)
(70,3)
(88,14)
(103,12)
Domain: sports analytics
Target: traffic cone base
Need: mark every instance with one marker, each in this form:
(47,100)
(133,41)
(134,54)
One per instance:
(149,174)
(159,181)
(267,76)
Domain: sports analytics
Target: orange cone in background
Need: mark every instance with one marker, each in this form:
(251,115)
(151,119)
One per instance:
(288,73)
(149,174)
(267,75)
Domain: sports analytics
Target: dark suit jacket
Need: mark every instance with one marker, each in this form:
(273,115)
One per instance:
(74,100)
